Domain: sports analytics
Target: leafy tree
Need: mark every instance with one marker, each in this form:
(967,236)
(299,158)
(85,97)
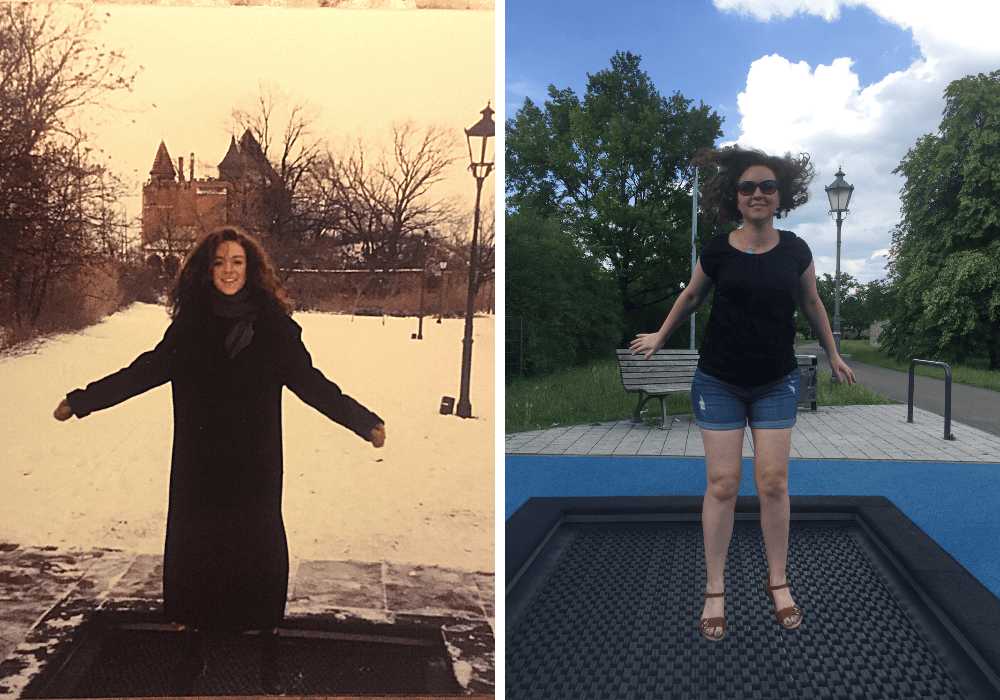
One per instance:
(564,296)
(945,262)
(614,169)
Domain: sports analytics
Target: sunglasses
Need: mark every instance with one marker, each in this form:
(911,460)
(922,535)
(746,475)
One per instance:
(748,187)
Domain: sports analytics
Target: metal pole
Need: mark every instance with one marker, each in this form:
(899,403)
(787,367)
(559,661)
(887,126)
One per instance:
(694,238)
(836,307)
(464,409)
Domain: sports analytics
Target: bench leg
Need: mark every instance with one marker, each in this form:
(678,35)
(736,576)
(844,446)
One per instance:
(663,413)
(642,401)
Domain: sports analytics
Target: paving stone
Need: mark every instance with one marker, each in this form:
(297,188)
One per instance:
(143,579)
(418,590)
(339,584)
(874,433)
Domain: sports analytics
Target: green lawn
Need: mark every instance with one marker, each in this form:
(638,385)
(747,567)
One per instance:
(594,394)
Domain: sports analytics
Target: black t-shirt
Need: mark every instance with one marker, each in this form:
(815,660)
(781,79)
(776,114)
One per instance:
(751,329)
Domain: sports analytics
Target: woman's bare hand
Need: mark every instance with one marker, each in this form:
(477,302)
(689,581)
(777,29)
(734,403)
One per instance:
(838,367)
(377,436)
(63,410)
(647,343)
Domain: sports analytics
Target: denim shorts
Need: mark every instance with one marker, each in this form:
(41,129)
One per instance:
(719,405)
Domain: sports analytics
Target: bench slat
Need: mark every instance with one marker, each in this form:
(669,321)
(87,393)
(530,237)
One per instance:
(657,389)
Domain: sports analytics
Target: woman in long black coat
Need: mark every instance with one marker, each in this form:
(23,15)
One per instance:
(228,352)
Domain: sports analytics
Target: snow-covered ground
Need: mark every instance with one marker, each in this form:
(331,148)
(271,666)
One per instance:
(426,498)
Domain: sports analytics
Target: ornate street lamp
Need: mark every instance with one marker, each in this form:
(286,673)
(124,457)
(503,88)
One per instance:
(840,196)
(478,137)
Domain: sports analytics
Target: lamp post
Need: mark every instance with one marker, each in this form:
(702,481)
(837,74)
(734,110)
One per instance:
(423,268)
(444,265)
(839,193)
(479,134)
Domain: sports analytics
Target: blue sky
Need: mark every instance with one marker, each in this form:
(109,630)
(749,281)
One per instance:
(785,75)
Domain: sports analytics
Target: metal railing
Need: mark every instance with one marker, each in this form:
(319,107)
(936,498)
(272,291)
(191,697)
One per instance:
(947,394)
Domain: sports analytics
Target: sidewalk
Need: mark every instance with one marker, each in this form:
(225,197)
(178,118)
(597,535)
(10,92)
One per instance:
(39,584)
(832,432)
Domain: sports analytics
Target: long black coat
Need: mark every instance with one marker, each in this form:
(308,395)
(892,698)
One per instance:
(226,559)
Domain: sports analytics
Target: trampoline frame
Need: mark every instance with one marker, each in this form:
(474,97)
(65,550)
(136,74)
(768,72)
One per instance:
(966,608)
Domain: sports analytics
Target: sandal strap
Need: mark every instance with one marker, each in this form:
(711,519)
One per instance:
(774,588)
(788,612)
(715,595)
(714,622)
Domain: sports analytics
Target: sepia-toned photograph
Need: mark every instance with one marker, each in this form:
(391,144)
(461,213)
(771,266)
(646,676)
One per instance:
(201,206)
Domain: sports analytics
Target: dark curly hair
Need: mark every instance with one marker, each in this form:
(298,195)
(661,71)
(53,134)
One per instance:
(194,280)
(719,194)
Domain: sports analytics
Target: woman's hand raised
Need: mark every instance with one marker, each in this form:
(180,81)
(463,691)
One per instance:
(647,343)
(63,410)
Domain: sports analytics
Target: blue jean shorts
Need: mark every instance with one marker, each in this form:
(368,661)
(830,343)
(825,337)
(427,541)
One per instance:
(719,405)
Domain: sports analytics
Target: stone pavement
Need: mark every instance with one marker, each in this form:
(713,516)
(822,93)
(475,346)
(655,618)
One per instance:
(832,432)
(38,584)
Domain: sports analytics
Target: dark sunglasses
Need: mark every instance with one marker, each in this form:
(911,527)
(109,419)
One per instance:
(748,187)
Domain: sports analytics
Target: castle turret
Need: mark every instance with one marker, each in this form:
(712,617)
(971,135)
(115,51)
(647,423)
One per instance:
(163,169)
(231,167)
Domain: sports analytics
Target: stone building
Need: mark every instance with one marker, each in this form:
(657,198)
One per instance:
(177,212)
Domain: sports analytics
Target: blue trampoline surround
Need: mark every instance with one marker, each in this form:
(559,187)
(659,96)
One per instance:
(953,503)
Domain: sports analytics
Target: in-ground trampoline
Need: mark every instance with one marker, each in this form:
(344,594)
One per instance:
(604,597)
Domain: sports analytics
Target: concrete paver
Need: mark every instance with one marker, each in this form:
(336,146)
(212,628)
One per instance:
(876,433)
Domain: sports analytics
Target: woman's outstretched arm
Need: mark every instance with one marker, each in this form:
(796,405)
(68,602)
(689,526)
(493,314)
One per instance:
(687,303)
(149,370)
(310,385)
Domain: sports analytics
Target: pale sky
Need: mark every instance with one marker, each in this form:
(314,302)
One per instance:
(362,69)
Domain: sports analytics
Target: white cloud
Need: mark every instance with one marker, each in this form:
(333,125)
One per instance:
(823,111)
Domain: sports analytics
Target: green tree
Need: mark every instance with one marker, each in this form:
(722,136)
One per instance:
(945,262)
(615,170)
(565,298)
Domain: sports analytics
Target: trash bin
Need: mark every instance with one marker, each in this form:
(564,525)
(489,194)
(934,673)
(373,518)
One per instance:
(808,378)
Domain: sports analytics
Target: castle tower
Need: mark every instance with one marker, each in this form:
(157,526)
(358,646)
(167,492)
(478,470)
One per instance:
(163,168)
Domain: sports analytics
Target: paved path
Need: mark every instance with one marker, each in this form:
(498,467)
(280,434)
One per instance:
(832,432)
(39,584)
(969,404)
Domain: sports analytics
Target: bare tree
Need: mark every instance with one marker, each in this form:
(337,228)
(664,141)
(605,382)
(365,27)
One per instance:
(55,197)
(285,130)
(386,205)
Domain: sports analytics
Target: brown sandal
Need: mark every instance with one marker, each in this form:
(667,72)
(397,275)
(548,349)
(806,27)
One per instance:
(713,622)
(780,615)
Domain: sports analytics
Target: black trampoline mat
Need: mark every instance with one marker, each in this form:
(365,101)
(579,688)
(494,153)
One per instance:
(610,609)
(115,656)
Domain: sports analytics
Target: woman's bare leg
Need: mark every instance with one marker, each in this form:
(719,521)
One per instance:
(770,473)
(724,469)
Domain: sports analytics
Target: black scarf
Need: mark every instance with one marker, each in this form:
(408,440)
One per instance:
(242,311)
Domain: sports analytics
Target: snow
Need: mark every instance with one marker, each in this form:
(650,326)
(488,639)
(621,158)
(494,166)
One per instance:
(426,498)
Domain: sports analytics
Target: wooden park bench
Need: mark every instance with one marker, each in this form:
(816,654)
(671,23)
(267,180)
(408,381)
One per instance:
(666,372)
(671,371)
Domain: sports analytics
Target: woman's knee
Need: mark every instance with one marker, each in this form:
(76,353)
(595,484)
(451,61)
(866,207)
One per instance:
(772,487)
(724,489)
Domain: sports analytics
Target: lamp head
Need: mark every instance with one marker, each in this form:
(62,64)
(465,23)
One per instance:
(478,136)
(839,193)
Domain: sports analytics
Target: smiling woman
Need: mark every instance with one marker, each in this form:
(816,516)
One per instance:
(229,352)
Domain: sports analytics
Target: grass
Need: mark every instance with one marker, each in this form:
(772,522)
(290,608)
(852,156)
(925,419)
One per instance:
(594,394)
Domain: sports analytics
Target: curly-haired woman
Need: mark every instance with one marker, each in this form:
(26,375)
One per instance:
(230,349)
(747,371)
